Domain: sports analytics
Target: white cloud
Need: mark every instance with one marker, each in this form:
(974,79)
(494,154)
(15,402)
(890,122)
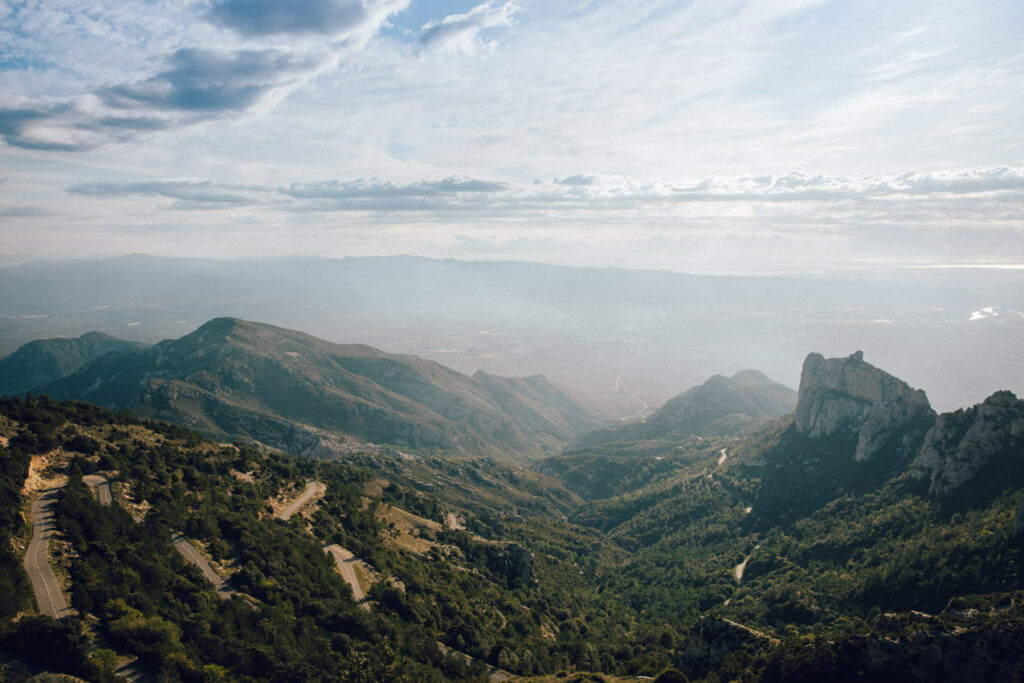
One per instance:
(643,121)
(465,32)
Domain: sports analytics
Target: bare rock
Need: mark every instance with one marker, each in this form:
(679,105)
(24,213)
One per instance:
(983,441)
(848,395)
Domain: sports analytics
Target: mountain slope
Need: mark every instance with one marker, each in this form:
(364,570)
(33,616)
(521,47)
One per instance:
(47,360)
(231,378)
(862,517)
(720,406)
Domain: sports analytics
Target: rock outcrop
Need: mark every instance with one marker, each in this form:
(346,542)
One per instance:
(983,444)
(849,396)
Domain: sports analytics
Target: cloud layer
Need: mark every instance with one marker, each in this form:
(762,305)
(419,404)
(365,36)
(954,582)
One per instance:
(580,192)
(601,132)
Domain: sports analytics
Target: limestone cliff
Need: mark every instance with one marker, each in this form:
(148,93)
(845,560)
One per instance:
(850,396)
(982,445)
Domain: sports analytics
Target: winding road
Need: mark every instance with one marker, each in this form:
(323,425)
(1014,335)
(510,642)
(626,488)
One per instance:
(619,390)
(101,486)
(189,552)
(313,488)
(345,562)
(49,598)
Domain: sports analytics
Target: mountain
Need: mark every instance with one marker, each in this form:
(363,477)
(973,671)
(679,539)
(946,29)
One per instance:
(47,360)
(775,554)
(863,516)
(718,407)
(658,332)
(848,395)
(973,453)
(236,379)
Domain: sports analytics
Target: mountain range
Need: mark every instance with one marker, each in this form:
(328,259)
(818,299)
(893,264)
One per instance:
(608,333)
(742,531)
(234,379)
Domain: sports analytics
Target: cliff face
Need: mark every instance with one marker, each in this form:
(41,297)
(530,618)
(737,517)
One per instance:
(848,395)
(982,446)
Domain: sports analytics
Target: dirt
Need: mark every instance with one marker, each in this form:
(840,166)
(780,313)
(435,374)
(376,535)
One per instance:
(122,492)
(45,471)
(248,477)
(411,529)
(282,500)
(375,487)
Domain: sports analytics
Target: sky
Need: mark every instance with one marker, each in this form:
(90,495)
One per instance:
(701,136)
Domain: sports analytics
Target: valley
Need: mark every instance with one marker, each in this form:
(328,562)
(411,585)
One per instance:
(730,534)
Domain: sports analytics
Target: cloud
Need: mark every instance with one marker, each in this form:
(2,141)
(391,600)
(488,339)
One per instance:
(296,17)
(462,32)
(800,186)
(195,85)
(204,81)
(797,186)
(381,195)
(24,212)
(209,81)
(204,191)
(578,179)
(17,128)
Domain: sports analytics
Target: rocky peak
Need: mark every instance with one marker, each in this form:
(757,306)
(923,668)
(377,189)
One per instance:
(851,396)
(986,439)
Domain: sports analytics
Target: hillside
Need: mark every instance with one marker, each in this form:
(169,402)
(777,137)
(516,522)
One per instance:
(848,518)
(260,600)
(47,360)
(236,379)
(862,538)
(721,406)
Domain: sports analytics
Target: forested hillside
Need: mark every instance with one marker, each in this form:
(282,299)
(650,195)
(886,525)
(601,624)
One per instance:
(862,538)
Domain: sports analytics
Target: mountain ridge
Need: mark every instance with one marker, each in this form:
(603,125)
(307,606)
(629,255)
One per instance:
(230,371)
(46,360)
(720,406)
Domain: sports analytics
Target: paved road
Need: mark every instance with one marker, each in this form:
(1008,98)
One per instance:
(345,561)
(189,552)
(313,488)
(738,570)
(101,486)
(49,597)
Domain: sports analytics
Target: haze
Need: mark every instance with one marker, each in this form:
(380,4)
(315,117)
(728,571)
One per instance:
(865,160)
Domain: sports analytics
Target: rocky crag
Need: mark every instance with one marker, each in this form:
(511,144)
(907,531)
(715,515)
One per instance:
(977,450)
(850,396)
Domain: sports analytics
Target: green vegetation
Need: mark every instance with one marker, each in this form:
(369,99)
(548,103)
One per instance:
(637,580)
